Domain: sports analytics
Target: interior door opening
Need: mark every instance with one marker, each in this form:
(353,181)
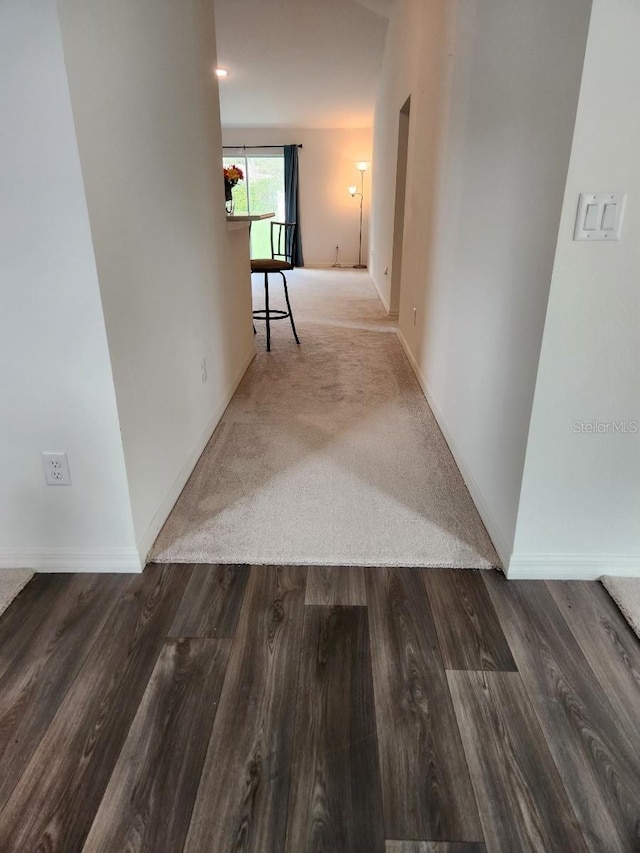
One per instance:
(401,191)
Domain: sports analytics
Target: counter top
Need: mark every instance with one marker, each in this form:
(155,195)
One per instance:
(246,217)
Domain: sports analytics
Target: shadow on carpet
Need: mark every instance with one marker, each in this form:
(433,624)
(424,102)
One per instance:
(328,453)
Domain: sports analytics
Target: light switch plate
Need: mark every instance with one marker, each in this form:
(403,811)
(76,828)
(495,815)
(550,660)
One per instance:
(599,216)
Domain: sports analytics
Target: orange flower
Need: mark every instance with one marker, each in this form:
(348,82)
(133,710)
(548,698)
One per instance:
(233,174)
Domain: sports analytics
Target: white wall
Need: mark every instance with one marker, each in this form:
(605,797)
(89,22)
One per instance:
(580,506)
(174,281)
(55,375)
(399,78)
(329,216)
(494,87)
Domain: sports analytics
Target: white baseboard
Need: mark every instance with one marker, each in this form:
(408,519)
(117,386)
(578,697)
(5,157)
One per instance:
(497,537)
(328,267)
(146,541)
(121,559)
(324,267)
(71,559)
(385,304)
(525,566)
(393,315)
(585,567)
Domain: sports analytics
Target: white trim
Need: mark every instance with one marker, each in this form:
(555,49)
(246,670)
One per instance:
(494,531)
(525,566)
(572,566)
(393,314)
(121,559)
(339,268)
(71,559)
(145,543)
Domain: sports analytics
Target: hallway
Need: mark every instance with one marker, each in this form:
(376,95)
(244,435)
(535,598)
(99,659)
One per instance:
(328,453)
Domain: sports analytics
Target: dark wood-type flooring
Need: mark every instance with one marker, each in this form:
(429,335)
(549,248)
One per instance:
(236,709)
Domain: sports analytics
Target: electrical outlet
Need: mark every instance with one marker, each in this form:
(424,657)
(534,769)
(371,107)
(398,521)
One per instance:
(203,370)
(56,469)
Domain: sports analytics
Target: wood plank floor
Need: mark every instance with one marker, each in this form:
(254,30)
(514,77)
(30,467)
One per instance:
(426,787)
(334,746)
(599,760)
(265,709)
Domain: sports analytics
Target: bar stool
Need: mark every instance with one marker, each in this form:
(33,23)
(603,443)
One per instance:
(282,242)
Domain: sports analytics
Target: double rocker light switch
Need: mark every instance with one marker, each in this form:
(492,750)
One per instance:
(599,216)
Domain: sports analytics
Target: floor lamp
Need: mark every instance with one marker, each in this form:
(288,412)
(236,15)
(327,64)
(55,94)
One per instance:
(362,167)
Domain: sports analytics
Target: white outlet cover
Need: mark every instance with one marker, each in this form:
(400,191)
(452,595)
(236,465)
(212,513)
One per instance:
(56,469)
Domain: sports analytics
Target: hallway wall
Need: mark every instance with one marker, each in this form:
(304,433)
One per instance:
(55,374)
(399,78)
(494,87)
(174,280)
(580,506)
(329,216)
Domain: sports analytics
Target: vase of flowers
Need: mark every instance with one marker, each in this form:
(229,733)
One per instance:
(232,174)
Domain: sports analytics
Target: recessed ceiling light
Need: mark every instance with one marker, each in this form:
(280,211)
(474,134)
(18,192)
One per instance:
(221,72)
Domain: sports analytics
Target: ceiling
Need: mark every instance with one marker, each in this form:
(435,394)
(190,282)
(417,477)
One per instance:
(300,63)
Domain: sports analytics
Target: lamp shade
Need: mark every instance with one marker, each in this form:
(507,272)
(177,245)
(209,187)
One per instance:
(352,190)
(362,165)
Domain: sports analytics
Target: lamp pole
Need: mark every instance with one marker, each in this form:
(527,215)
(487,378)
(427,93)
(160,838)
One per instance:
(360,265)
(362,167)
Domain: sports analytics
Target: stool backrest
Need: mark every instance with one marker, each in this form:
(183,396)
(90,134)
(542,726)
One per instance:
(283,235)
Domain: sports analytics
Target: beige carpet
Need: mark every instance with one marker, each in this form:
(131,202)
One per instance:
(626,594)
(12,581)
(328,453)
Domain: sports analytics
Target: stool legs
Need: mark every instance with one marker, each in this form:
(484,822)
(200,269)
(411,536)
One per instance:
(286,296)
(277,314)
(266,306)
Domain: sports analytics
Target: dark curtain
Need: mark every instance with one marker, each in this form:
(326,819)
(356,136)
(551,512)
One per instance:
(292,199)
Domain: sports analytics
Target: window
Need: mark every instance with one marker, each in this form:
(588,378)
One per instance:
(262,191)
